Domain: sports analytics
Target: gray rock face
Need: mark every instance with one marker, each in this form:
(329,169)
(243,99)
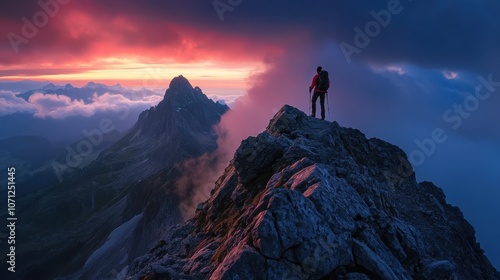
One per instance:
(308,199)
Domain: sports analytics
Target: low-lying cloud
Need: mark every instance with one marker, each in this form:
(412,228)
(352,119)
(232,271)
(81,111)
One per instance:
(60,106)
(10,103)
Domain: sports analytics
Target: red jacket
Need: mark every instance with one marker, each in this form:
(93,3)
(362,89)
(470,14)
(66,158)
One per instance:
(315,83)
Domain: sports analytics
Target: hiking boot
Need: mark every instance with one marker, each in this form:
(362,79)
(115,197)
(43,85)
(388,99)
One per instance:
(322,118)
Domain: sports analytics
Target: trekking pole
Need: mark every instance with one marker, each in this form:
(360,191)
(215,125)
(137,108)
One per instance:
(328,105)
(310,101)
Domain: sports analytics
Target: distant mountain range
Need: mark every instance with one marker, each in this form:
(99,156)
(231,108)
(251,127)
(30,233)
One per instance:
(40,146)
(86,92)
(22,86)
(123,110)
(39,161)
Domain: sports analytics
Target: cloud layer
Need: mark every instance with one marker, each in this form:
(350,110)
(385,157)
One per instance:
(427,33)
(10,103)
(61,106)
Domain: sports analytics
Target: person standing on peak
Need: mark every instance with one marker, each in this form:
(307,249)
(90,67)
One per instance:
(320,84)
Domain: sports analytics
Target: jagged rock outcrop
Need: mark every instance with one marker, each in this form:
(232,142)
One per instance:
(308,199)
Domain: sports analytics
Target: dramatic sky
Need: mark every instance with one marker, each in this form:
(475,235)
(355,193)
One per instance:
(424,75)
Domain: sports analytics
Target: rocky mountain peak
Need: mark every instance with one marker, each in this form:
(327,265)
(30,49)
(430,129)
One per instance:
(181,95)
(50,86)
(308,199)
(184,118)
(93,85)
(180,83)
(182,108)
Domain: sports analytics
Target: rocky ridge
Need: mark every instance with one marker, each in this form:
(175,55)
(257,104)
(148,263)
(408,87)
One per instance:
(308,199)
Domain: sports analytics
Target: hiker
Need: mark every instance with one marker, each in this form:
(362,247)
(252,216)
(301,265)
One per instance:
(320,84)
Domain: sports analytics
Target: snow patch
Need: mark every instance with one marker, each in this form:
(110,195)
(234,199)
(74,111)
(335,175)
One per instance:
(115,237)
(123,274)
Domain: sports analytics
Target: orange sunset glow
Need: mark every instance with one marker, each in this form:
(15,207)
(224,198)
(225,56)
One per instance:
(137,74)
(84,42)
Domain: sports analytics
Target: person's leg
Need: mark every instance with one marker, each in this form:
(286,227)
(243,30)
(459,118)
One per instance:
(322,102)
(313,105)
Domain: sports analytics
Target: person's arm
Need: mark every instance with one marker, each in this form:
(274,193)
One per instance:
(314,82)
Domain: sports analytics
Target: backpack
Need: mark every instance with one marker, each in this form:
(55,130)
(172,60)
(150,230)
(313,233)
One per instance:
(323,81)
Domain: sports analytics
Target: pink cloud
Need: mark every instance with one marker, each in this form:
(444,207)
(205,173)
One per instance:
(61,106)
(285,81)
(10,103)
(80,36)
(58,106)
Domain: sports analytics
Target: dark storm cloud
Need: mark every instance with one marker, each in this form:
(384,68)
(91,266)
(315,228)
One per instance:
(436,34)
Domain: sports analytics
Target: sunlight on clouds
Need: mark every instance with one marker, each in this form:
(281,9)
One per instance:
(450,75)
(132,72)
(396,69)
(10,103)
(388,68)
(80,24)
(60,106)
